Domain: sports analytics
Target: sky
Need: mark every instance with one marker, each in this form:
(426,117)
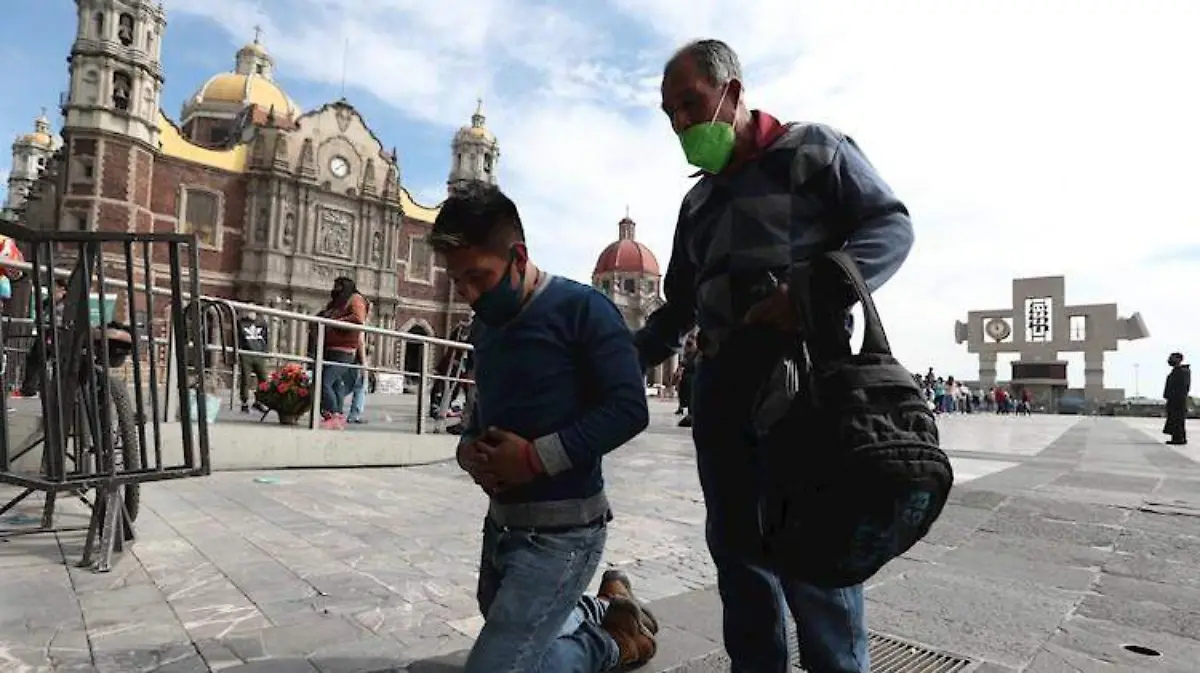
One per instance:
(1027,137)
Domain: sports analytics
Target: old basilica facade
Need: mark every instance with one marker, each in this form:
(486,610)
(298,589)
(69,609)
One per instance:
(282,200)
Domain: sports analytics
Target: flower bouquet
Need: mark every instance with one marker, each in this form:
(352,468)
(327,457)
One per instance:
(288,392)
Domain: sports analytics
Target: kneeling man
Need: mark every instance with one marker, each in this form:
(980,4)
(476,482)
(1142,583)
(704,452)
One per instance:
(558,387)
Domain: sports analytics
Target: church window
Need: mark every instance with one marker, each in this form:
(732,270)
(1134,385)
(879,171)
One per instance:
(487,163)
(258,69)
(201,211)
(122,86)
(630,285)
(150,42)
(420,259)
(125,29)
(98,25)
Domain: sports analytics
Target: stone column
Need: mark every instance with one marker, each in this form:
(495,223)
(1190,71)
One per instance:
(1093,374)
(987,369)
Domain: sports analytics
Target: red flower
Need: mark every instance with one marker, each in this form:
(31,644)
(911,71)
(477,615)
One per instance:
(264,386)
(303,392)
(283,388)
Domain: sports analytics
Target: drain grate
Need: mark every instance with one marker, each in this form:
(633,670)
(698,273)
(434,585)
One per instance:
(892,655)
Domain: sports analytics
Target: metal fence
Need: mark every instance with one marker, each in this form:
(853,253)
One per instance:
(88,436)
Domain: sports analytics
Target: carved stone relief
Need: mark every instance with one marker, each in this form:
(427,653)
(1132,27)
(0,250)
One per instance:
(329,272)
(334,233)
(289,230)
(377,247)
(343,115)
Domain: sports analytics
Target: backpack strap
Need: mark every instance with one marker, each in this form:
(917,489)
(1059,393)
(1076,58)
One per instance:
(816,316)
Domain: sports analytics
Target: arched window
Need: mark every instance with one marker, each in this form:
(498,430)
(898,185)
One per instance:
(125,29)
(98,25)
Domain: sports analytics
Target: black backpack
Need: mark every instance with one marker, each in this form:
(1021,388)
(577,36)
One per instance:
(854,473)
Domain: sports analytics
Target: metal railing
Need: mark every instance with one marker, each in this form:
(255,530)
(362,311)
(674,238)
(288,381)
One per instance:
(227,346)
(221,344)
(91,434)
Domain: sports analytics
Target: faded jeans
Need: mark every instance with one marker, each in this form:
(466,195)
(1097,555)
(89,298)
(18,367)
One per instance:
(831,623)
(358,398)
(537,619)
(336,381)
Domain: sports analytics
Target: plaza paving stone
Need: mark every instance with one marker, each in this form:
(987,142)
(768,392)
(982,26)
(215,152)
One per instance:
(1067,538)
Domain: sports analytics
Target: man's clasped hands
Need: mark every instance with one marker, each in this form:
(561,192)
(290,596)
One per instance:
(499,460)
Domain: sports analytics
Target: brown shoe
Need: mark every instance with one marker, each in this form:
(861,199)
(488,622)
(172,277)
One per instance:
(625,622)
(615,584)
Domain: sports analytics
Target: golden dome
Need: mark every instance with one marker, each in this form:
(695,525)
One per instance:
(235,88)
(41,135)
(477,130)
(37,138)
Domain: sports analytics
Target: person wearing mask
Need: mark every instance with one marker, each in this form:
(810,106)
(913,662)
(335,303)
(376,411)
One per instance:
(252,346)
(341,348)
(1175,392)
(769,195)
(557,387)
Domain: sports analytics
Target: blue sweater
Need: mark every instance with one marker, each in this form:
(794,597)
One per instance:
(564,374)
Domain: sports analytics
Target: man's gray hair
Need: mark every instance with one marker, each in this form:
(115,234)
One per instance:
(716,60)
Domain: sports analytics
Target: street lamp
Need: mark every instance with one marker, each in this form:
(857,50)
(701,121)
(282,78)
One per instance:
(1136,381)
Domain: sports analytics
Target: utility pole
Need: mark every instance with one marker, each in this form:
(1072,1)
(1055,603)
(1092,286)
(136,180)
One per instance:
(1136,381)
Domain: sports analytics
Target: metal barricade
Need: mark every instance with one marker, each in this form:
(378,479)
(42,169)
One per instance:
(90,435)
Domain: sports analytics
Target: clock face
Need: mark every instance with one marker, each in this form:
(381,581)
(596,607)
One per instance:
(339,167)
(998,329)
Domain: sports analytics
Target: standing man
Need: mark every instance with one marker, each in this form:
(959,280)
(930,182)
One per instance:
(252,345)
(769,195)
(558,387)
(1179,385)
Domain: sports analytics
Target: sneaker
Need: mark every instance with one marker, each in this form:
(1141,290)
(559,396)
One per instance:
(616,584)
(685,422)
(334,422)
(625,622)
(357,421)
(245,408)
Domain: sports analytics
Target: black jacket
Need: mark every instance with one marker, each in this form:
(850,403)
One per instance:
(252,335)
(1179,384)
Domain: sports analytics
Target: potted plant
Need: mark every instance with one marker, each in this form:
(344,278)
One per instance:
(288,392)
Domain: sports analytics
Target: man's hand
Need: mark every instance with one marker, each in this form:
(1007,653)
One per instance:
(775,311)
(510,458)
(474,459)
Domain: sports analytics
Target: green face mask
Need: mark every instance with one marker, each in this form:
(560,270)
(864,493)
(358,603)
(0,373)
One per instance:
(709,146)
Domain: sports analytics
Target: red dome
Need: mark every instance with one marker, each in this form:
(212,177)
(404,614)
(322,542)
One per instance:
(629,256)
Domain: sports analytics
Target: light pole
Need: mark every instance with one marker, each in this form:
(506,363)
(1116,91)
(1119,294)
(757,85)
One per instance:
(1136,381)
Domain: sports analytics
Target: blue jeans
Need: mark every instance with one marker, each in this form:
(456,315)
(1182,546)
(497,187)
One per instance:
(358,400)
(831,623)
(336,381)
(537,619)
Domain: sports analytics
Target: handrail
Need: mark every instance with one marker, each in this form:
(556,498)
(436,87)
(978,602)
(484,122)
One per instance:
(424,342)
(261,310)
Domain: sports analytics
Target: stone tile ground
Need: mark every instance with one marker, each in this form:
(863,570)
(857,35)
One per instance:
(365,570)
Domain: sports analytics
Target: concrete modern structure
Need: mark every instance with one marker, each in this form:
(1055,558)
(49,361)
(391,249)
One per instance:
(628,272)
(1038,327)
(281,199)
